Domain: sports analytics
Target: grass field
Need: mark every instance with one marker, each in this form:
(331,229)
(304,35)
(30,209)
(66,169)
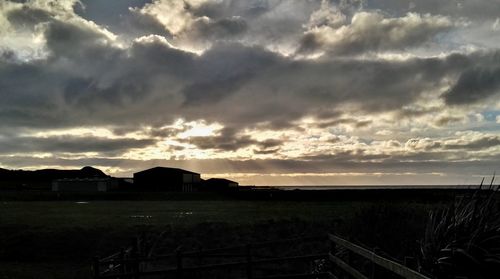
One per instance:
(56,239)
(92,214)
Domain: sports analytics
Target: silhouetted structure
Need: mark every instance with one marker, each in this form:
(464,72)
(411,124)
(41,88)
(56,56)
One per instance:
(219,184)
(104,184)
(167,179)
(42,179)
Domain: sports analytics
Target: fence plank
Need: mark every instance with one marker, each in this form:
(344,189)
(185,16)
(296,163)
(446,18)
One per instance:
(222,265)
(115,257)
(347,268)
(395,267)
(298,276)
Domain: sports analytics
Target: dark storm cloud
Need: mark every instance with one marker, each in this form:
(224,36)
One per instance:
(474,85)
(27,17)
(79,42)
(228,140)
(152,82)
(269,143)
(266,151)
(218,78)
(443,121)
(72,144)
(353,122)
(101,83)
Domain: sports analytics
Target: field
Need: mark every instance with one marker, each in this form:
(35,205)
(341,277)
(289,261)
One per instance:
(122,214)
(56,239)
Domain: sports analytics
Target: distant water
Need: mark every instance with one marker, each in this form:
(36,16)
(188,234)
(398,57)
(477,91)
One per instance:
(367,187)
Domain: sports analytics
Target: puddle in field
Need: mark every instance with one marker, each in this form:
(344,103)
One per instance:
(141,216)
(183,214)
(81,202)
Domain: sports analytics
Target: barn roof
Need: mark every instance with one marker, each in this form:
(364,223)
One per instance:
(166,170)
(220,180)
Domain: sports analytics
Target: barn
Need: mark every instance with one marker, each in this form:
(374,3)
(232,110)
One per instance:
(167,179)
(220,184)
(84,184)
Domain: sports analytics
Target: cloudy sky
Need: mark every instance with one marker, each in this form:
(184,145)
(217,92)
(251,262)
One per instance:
(266,92)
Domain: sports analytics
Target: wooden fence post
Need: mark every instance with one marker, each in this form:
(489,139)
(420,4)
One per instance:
(249,261)
(95,267)
(123,270)
(331,251)
(178,256)
(135,255)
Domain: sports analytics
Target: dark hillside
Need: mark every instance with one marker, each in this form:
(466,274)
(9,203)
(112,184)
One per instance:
(42,179)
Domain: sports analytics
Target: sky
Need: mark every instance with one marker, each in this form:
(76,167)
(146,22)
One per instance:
(265,92)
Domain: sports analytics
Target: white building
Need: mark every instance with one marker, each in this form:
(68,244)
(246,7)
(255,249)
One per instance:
(84,184)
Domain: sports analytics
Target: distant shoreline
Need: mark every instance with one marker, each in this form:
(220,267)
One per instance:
(366,187)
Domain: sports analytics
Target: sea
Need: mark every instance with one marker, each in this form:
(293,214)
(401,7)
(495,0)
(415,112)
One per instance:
(368,187)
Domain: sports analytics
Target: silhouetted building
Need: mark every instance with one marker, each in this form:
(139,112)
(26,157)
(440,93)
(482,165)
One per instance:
(219,184)
(85,184)
(167,179)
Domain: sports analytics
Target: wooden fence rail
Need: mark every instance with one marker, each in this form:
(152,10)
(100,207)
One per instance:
(390,265)
(127,264)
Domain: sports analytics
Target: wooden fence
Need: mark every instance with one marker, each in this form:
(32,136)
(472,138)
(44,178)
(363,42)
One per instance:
(128,263)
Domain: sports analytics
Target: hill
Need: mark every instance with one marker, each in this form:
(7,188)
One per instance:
(42,179)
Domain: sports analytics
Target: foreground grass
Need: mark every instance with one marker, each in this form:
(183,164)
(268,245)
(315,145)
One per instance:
(56,239)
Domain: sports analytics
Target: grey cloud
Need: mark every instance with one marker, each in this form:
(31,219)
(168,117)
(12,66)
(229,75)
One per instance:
(335,122)
(476,144)
(444,145)
(372,31)
(474,10)
(269,143)
(272,22)
(153,81)
(77,40)
(28,17)
(269,146)
(230,140)
(266,151)
(218,78)
(443,121)
(408,112)
(474,85)
(125,19)
(72,144)
(165,132)
(220,28)
(90,80)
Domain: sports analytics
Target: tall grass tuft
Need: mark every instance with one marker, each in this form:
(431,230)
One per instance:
(463,240)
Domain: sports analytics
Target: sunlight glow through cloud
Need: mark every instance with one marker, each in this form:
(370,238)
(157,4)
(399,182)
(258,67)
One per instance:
(265,92)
